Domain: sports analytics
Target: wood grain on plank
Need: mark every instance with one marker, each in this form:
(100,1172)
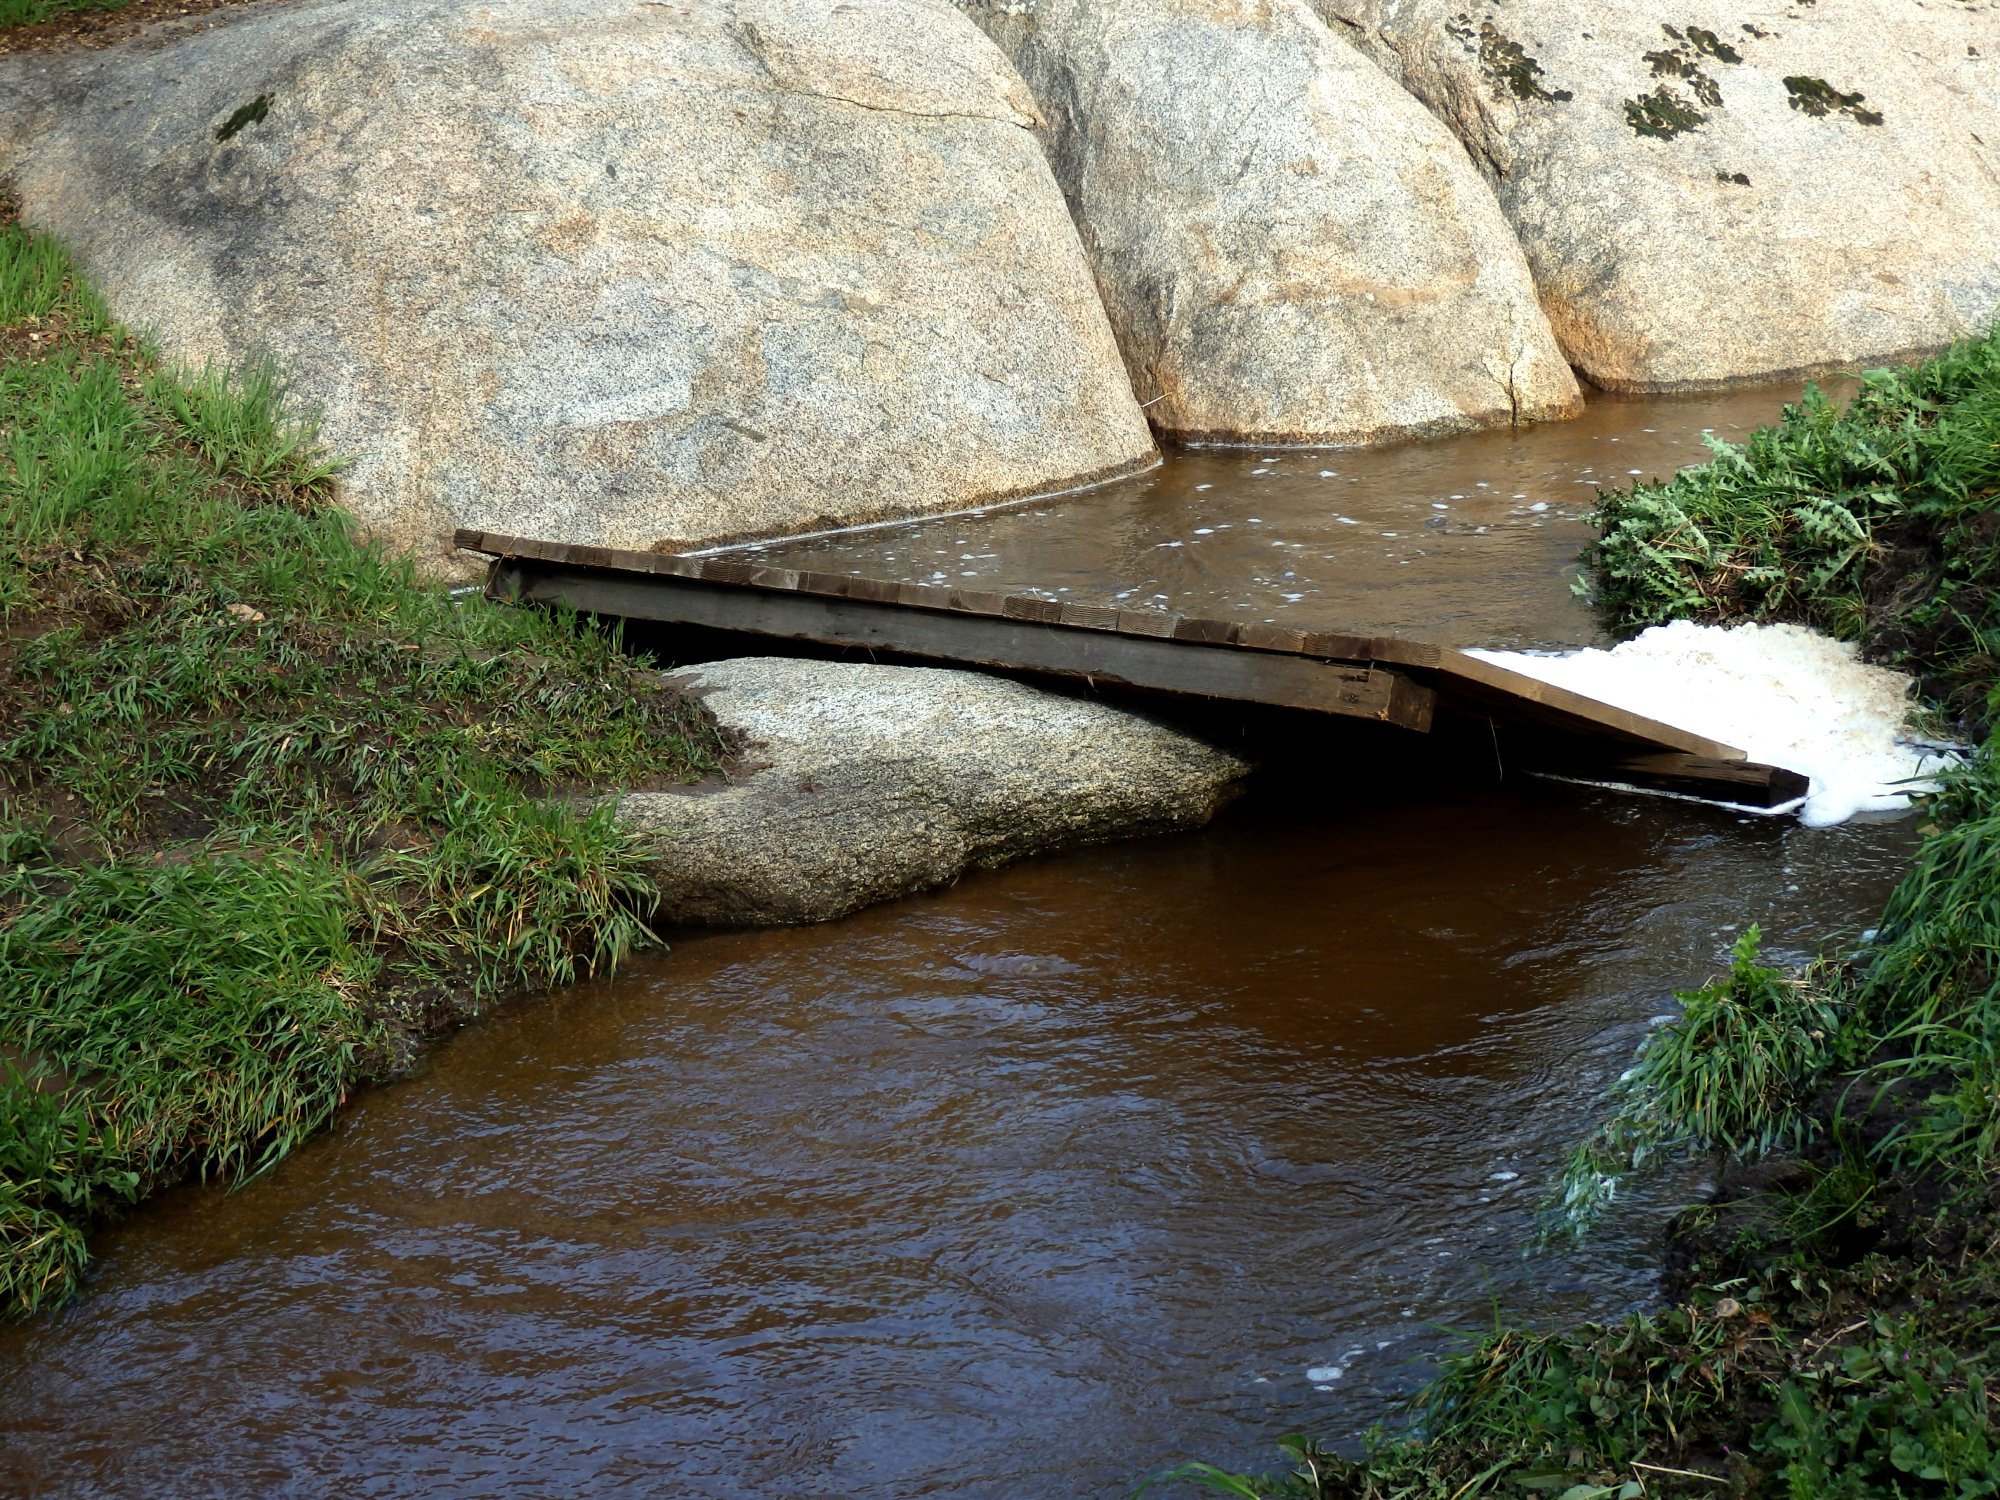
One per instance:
(1466,681)
(980,641)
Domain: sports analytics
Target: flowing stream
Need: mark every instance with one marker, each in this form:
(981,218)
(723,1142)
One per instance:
(1023,1188)
(1465,541)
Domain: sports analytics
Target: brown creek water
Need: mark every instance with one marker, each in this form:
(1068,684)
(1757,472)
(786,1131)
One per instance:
(1023,1188)
(1018,1189)
(1463,541)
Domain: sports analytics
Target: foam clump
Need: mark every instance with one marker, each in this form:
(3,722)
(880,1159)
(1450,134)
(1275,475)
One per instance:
(1785,695)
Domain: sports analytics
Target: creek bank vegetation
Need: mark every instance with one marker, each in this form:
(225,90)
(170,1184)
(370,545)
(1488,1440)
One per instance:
(1833,1309)
(272,812)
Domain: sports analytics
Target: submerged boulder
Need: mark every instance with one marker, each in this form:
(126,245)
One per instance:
(1292,249)
(624,272)
(861,783)
(1714,192)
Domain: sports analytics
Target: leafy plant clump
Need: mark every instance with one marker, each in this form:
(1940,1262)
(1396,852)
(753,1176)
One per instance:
(1875,522)
(273,811)
(1854,1385)
(1731,1077)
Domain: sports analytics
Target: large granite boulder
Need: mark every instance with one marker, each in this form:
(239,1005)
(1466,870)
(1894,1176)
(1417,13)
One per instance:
(1291,248)
(1713,191)
(627,272)
(864,782)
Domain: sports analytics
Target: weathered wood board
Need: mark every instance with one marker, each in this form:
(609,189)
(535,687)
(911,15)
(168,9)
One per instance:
(1379,678)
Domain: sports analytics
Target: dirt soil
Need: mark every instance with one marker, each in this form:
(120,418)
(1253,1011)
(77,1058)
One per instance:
(91,29)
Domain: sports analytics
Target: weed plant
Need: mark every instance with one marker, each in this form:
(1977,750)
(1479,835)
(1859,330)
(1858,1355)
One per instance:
(272,810)
(1875,522)
(1729,1078)
(1837,1303)
(33,12)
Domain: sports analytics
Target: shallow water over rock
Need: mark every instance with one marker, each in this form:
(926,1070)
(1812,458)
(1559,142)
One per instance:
(1464,541)
(1023,1188)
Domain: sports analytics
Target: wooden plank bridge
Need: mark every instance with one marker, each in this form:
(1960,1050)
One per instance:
(1384,679)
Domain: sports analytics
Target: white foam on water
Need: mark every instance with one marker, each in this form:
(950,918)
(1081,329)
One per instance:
(1785,695)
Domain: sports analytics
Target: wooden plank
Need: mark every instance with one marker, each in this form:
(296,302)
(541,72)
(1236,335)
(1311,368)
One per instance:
(978,601)
(1026,645)
(1158,624)
(1027,607)
(723,570)
(1700,775)
(1089,616)
(1275,638)
(1408,653)
(1204,632)
(1465,682)
(673,565)
(1337,647)
(1410,703)
(832,584)
(1483,681)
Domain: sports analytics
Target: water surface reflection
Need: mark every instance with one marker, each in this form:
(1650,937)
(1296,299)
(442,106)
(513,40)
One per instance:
(1465,541)
(1018,1189)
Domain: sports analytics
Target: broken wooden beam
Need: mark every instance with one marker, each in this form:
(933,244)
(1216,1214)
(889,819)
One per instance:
(1383,679)
(1052,645)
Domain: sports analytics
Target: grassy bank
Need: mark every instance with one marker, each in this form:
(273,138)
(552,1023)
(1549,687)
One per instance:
(37,12)
(272,812)
(1875,522)
(1833,1312)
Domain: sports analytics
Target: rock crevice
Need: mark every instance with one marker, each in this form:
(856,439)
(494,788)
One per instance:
(1292,251)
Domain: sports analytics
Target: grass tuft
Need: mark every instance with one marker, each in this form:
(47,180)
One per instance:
(238,423)
(34,12)
(1731,1077)
(272,811)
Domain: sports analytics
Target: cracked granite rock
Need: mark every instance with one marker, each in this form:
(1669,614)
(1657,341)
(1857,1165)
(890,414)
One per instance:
(638,273)
(861,783)
(1715,191)
(1291,248)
